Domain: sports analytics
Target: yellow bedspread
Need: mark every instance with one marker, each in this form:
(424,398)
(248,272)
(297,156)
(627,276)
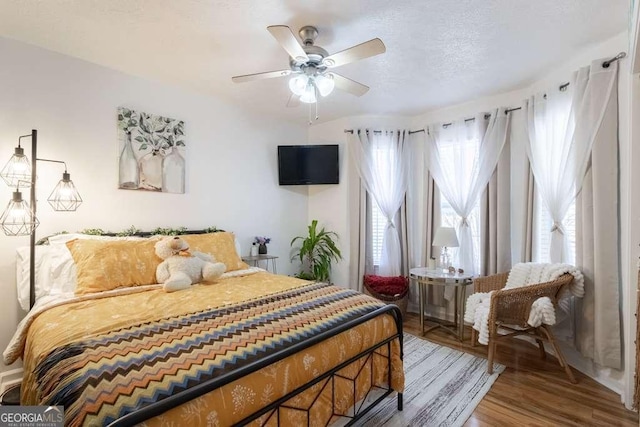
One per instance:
(68,323)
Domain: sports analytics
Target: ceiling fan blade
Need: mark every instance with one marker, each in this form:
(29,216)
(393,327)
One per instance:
(294,101)
(348,85)
(363,50)
(288,41)
(260,76)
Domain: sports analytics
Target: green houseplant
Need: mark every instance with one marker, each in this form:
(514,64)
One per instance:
(316,252)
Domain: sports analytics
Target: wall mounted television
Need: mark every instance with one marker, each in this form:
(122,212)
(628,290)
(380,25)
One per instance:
(308,164)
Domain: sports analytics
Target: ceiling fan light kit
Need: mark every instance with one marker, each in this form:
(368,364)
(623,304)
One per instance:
(309,65)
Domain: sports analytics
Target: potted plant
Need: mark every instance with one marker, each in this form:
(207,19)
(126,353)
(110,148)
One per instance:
(316,252)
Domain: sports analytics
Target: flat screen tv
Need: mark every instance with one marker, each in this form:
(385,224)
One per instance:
(308,164)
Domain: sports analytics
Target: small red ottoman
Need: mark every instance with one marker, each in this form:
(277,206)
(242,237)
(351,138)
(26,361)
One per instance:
(392,290)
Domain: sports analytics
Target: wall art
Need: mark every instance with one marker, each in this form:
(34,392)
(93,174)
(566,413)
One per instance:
(151,152)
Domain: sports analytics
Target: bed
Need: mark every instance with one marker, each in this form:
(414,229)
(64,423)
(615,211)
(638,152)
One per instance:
(252,348)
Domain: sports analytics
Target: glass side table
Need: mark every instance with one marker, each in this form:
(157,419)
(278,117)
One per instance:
(424,277)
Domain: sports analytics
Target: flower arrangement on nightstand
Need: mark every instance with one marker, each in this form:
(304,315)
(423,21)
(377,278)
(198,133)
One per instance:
(262,241)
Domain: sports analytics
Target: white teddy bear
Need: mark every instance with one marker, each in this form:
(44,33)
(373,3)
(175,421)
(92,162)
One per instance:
(181,268)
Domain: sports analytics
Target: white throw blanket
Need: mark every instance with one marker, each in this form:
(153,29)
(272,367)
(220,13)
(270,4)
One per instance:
(524,274)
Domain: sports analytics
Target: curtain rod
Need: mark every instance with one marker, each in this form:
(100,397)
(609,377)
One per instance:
(562,87)
(379,131)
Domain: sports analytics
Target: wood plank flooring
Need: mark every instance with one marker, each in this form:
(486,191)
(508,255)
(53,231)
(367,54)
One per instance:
(532,391)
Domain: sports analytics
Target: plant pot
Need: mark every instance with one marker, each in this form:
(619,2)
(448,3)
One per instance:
(262,249)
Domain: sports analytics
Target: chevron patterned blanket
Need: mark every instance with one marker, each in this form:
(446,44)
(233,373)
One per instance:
(102,378)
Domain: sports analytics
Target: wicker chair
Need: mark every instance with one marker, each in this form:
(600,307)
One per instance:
(510,308)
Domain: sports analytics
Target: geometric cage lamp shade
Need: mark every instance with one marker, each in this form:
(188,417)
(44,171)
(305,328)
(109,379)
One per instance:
(65,196)
(17,169)
(18,219)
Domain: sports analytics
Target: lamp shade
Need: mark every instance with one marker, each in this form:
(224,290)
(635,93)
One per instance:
(17,219)
(309,95)
(298,84)
(446,237)
(65,196)
(17,169)
(325,84)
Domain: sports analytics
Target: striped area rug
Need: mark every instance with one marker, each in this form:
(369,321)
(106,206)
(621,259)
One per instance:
(442,387)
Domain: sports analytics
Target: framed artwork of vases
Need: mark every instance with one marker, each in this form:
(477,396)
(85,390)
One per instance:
(151,152)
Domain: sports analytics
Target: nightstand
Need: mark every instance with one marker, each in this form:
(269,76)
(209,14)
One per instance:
(255,261)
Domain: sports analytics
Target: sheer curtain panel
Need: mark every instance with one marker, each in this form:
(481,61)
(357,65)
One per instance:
(558,149)
(462,173)
(381,159)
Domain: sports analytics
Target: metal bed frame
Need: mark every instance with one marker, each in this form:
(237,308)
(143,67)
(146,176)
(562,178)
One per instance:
(275,408)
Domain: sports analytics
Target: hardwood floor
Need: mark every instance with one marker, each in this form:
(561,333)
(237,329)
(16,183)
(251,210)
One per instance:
(532,391)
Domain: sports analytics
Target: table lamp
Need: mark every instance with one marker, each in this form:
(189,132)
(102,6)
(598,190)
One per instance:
(445,237)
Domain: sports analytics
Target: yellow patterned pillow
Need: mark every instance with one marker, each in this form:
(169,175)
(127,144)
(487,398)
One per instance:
(221,245)
(105,265)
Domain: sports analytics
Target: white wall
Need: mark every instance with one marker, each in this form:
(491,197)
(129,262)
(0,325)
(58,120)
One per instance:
(231,157)
(331,204)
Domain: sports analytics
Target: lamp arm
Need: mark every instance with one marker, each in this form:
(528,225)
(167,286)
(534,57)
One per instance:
(23,136)
(54,161)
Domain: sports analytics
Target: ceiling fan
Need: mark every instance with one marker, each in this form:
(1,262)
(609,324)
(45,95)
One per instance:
(312,67)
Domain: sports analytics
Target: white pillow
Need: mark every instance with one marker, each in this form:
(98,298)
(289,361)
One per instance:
(46,258)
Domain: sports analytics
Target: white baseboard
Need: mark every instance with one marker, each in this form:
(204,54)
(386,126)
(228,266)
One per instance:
(613,379)
(10,378)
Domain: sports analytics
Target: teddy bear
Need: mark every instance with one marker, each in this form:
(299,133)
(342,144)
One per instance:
(181,268)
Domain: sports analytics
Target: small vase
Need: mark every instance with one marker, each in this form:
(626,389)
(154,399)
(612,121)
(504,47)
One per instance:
(128,174)
(254,250)
(262,249)
(173,172)
(151,171)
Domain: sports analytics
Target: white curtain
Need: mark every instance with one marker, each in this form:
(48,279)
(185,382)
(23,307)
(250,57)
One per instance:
(462,174)
(381,159)
(559,150)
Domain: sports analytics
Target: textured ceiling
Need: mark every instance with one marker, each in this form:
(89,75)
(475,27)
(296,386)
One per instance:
(439,52)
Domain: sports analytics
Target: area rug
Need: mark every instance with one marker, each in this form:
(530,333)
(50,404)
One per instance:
(442,387)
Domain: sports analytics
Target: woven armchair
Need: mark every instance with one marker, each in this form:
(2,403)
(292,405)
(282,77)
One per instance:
(510,309)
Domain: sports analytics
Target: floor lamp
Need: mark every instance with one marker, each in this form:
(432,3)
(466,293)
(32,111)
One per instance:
(19,218)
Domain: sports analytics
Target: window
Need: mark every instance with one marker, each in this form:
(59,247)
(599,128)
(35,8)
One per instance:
(378,222)
(542,235)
